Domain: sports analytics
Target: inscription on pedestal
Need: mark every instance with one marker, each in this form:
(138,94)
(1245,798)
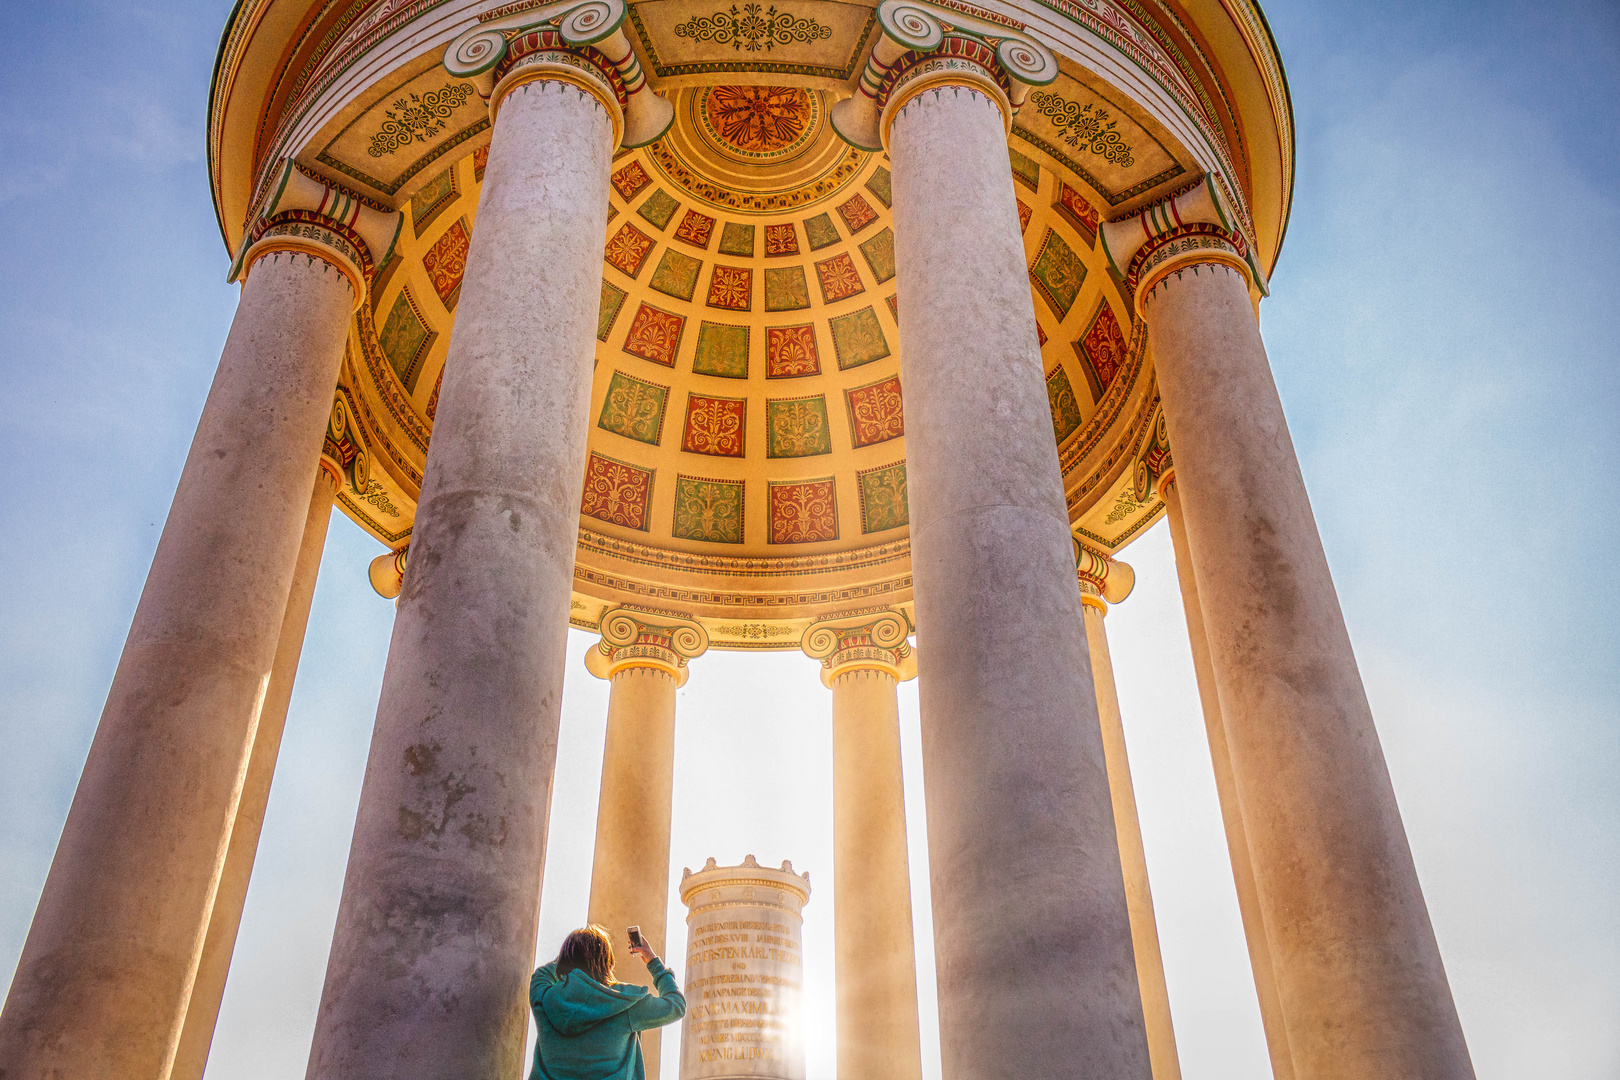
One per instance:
(745,972)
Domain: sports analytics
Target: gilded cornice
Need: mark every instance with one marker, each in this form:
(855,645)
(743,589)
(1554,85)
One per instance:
(737,566)
(244,16)
(1226,117)
(1123,25)
(1263,47)
(1163,64)
(720,603)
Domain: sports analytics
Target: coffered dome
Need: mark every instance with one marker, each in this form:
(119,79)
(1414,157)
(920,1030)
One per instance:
(747,456)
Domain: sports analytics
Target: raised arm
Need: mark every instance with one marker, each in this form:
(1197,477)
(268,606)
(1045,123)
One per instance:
(667,1007)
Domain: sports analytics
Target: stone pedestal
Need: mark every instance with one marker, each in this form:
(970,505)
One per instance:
(1359,977)
(1032,932)
(863,657)
(209,988)
(1237,843)
(744,972)
(102,987)
(1102,580)
(643,655)
(436,930)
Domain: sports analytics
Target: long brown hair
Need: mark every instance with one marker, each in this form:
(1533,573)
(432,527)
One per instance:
(589,949)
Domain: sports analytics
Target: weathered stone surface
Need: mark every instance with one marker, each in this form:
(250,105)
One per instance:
(1359,976)
(208,991)
(1027,887)
(102,985)
(1237,841)
(435,935)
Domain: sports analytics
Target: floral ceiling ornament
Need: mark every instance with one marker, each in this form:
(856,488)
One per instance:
(758,119)
(752,29)
(419,120)
(1086,125)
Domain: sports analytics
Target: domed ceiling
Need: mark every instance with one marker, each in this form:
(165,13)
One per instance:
(747,458)
(747,455)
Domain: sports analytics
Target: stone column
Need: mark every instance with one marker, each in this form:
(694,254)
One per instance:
(102,986)
(436,930)
(1237,843)
(1032,931)
(863,656)
(1359,976)
(1103,580)
(643,655)
(209,989)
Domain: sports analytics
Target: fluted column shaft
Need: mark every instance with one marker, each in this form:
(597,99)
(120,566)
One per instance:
(436,929)
(1161,1035)
(879,1035)
(105,975)
(1032,934)
(1237,843)
(630,868)
(208,991)
(1359,974)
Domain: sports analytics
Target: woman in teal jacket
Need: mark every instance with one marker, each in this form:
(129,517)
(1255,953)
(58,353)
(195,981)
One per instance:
(589,1025)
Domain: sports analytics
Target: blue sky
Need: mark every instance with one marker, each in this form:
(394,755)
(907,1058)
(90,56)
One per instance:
(1444,334)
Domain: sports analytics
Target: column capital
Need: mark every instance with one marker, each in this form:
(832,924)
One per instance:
(872,640)
(301,215)
(344,459)
(923,47)
(387,572)
(1155,469)
(331,477)
(1103,581)
(649,639)
(1195,227)
(583,46)
(343,453)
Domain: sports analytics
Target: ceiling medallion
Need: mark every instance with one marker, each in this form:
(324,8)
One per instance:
(759,123)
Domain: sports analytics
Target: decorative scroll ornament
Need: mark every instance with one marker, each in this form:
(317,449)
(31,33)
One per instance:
(583,45)
(343,455)
(1103,581)
(922,47)
(632,638)
(1193,227)
(302,215)
(751,29)
(1085,126)
(867,640)
(418,119)
(1154,466)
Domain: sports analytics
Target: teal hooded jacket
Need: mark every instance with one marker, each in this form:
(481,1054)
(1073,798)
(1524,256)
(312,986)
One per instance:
(589,1031)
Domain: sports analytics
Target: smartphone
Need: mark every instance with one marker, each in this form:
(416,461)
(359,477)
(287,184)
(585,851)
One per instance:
(636,940)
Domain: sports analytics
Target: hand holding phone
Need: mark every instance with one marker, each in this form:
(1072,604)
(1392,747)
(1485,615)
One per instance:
(636,940)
